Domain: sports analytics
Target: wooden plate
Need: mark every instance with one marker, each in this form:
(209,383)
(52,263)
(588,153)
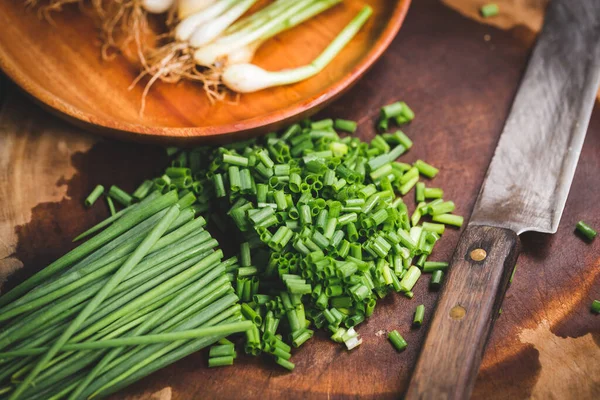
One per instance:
(59,65)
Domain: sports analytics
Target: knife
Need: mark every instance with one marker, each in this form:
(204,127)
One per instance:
(525,189)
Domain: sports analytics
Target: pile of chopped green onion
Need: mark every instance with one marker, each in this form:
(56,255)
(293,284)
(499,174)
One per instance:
(320,222)
(145,292)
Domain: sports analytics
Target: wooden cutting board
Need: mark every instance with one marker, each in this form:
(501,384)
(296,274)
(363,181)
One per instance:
(460,82)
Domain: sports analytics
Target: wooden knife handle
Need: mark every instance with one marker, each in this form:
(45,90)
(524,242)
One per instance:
(466,310)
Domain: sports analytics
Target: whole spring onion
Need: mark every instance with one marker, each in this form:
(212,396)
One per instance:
(208,37)
(212,35)
(246,78)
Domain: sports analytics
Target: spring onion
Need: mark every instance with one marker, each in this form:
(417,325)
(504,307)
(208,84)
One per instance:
(246,78)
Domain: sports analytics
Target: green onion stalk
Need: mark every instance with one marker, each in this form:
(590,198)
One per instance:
(150,276)
(206,41)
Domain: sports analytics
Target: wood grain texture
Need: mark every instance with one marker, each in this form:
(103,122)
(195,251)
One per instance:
(464,315)
(543,346)
(62,68)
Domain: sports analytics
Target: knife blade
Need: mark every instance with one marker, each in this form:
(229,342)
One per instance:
(525,189)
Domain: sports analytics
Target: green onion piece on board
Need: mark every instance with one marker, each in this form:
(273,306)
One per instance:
(419,315)
(96,193)
(143,190)
(431,266)
(111,206)
(345,125)
(397,341)
(587,231)
(120,196)
(436,279)
(449,219)
(220,361)
(489,10)
(426,169)
(285,363)
(392,110)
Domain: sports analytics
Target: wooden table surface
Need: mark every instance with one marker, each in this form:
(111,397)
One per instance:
(460,82)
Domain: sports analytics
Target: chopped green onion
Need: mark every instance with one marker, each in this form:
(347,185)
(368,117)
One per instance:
(419,315)
(489,10)
(97,192)
(345,125)
(222,350)
(436,279)
(285,363)
(596,306)
(410,279)
(426,169)
(431,266)
(383,125)
(323,124)
(143,190)
(442,208)
(392,110)
(111,206)
(403,139)
(587,231)
(431,227)
(220,361)
(235,160)
(397,341)
(120,196)
(448,219)
(420,193)
(433,193)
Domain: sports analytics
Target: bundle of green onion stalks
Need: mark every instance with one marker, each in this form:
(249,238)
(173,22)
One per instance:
(146,291)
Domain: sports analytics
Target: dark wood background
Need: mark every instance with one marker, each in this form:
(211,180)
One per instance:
(460,82)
